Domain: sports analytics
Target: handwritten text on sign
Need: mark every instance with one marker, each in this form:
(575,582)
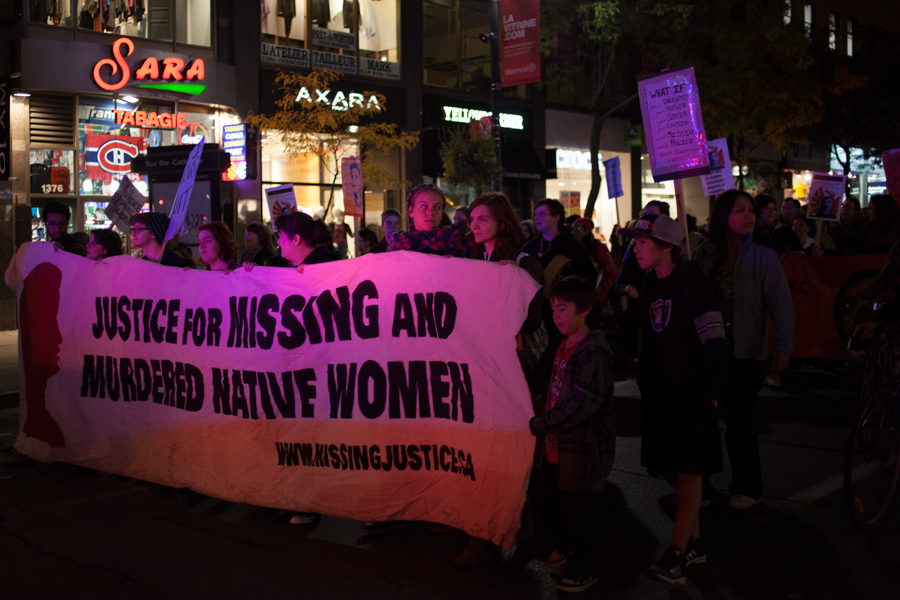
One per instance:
(352,389)
(676,139)
(125,203)
(183,195)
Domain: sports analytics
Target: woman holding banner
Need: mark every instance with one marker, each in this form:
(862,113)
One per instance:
(430,231)
(302,240)
(883,228)
(495,235)
(217,247)
(754,287)
(258,244)
(103,244)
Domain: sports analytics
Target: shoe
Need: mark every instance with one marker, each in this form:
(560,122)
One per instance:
(304,518)
(670,567)
(377,527)
(742,502)
(478,553)
(696,552)
(558,559)
(440,528)
(569,584)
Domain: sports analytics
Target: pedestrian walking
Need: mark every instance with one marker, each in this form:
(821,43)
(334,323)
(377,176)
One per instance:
(683,360)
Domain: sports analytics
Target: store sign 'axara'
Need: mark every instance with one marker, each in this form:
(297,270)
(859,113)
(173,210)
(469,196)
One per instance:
(172,69)
(340,101)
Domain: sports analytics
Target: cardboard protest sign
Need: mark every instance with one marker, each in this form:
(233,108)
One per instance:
(826,192)
(676,139)
(125,203)
(352,187)
(720,178)
(281,199)
(891,161)
(613,177)
(183,195)
(386,387)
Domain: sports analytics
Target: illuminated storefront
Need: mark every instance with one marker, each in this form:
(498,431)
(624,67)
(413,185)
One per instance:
(568,139)
(108,104)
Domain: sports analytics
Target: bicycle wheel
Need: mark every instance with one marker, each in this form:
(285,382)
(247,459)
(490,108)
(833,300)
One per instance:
(871,466)
(873,372)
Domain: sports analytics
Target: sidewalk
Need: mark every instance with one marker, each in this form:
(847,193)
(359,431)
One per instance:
(9,369)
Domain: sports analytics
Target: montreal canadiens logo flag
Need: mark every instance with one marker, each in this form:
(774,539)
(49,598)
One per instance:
(109,156)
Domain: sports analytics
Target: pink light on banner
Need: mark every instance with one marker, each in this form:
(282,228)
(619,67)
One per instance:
(673,125)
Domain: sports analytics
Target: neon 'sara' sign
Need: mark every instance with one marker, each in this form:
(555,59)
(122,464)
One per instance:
(340,101)
(173,68)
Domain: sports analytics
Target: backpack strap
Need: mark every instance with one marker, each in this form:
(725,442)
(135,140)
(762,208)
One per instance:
(553,269)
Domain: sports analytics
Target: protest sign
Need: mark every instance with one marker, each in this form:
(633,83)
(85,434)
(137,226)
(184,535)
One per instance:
(720,178)
(676,139)
(281,200)
(520,42)
(826,192)
(382,388)
(613,177)
(125,203)
(352,187)
(183,195)
(891,161)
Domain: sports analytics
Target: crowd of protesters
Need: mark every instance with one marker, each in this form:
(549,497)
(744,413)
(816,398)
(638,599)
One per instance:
(697,330)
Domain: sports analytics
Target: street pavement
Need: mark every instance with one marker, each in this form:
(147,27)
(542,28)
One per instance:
(69,532)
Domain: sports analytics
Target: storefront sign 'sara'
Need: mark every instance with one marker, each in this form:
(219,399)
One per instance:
(172,68)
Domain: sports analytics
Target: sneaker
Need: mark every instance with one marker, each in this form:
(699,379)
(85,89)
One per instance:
(377,527)
(571,584)
(558,559)
(304,518)
(742,502)
(696,552)
(670,567)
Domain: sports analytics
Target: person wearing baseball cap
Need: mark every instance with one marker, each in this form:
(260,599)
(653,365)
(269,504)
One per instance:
(683,361)
(148,230)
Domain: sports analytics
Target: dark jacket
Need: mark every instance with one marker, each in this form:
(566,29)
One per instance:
(71,244)
(631,273)
(582,419)
(320,255)
(258,256)
(380,247)
(780,239)
(569,247)
(850,239)
(684,352)
(534,268)
(170,259)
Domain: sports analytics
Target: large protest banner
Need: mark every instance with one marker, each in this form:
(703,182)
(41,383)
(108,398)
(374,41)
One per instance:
(819,286)
(386,387)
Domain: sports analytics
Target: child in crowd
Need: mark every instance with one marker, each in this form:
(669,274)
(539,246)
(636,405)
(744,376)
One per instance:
(683,358)
(577,437)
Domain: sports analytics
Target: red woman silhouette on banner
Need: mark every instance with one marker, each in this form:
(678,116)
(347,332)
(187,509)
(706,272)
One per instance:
(40,350)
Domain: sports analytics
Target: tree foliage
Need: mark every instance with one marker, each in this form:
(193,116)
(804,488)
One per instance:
(328,129)
(608,45)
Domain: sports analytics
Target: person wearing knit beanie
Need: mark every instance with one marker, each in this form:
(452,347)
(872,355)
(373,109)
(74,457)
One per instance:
(148,230)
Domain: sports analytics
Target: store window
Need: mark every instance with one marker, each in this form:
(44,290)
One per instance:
(378,38)
(651,190)
(312,176)
(440,44)
(51,13)
(572,187)
(151,19)
(193,20)
(284,20)
(51,171)
(476,55)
